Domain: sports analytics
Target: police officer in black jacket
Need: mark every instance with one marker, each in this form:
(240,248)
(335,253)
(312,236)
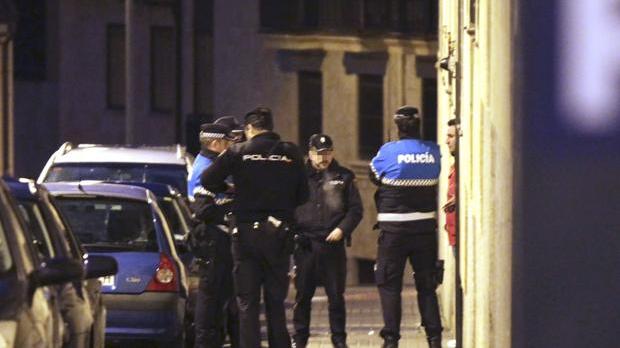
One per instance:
(210,243)
(270,182)
(326,221)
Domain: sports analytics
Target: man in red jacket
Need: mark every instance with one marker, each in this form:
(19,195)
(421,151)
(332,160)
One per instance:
(450,207)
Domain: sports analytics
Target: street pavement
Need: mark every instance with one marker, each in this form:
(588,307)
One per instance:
(364,319)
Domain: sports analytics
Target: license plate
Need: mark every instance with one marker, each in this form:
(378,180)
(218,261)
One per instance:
(108,281)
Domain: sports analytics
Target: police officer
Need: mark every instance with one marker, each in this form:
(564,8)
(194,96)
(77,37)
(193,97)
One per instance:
(326,220)
(236,130)
(214,139)
(270,182)
(406,173)
(210,243)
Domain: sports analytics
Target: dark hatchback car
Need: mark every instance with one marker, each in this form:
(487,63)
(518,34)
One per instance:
(81,303)
(28,298)
(146,299)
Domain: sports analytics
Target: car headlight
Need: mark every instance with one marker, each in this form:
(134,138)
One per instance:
(8,328)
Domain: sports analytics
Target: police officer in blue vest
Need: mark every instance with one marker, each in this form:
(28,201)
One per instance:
(406,172)
(210,243)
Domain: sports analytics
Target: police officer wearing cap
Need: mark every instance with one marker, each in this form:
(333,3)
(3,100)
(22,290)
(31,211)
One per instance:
(270,182)
(406,172)
(214,139)
(210,244)
(236,129)
(325,221)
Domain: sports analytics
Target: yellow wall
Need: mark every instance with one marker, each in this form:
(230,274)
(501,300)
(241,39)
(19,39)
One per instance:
(486,164)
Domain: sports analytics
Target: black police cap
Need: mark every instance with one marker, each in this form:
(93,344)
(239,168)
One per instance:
(406,111)
(213,131)
(320,142)
(230,122)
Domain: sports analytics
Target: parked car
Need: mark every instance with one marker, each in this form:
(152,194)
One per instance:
(164,164)
(147,298)
(81,304)
(178,214)
(29,307)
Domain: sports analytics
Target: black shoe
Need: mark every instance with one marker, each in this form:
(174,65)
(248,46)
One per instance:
(434,342)
(340,345)
(390,343)
(298,343)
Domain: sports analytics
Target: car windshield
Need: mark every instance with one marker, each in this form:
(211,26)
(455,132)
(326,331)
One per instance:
(6,262)
(174,216)
(106,223)
(169,174)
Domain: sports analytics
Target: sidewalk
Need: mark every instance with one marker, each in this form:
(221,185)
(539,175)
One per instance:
(364,319)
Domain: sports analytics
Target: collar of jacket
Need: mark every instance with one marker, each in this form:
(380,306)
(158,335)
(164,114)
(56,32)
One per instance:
(311,171)
(267,135)
(209,153)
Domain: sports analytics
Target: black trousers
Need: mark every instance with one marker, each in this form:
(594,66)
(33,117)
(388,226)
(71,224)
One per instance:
(324,263)
(393,252)
(216,309)
(261,261)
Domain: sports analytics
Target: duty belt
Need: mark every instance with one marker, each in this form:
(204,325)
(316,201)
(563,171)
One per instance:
(395,217)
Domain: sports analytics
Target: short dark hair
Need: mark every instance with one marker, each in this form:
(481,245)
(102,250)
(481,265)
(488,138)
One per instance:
(407,121)
(452,122)
(260,118)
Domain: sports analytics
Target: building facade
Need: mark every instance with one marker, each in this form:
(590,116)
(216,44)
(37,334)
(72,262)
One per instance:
(71,74)
(476,87)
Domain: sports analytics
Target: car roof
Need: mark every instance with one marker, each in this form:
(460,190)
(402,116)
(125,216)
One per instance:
(158,189)
(21,190)
(86,188)
(121,154)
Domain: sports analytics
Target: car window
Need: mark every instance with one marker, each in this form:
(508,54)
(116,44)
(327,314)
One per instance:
(174,215)
(14,224)
(65,230)
(125,225)
(174,175)
(36,224)
(6,261)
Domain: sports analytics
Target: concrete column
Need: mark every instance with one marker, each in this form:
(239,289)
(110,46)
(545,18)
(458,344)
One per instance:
(187,102)
(132,74)
(340,102)
(6,106)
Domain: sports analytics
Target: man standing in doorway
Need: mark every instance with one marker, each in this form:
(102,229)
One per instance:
(324,222)
(406,172)
(450,207)
(270,182)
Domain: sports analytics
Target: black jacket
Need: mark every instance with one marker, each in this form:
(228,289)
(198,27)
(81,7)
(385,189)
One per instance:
(268,176)
(334,202)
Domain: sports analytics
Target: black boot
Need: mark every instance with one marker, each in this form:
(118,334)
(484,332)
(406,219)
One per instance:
(434,342)
(299,342)
(340,345)
(390,343)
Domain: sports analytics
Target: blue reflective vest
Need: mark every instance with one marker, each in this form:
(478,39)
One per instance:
(407,162)
(201,163)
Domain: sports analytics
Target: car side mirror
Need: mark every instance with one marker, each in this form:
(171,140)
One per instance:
(56,271)
(100,266)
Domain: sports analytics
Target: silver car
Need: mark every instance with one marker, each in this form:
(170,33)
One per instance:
(162,164)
